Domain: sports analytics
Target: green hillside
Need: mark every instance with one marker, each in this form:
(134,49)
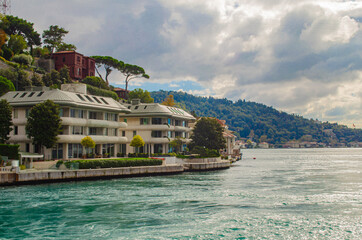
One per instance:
(250,119)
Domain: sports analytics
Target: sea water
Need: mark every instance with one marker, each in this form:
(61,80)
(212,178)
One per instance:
(270,194)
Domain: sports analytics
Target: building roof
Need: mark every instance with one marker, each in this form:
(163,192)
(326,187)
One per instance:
(38,95)
(156,109)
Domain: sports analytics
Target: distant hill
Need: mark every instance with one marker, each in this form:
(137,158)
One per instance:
(250,119)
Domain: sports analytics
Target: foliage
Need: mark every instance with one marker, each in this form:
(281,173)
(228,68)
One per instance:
(119,154)
(44,123)
(101,92)
(3,38)
(36,80)
(64,74)
(40,52)
(18,77)
(5,85)
(169,101)
(205,152)
(108,63)
(131,72)
(5,120)
(135,155)
(176,144)
(88,142)
(17,44)
(11,151)
(115,163)
(16,26)
(137,141)
(23,59)
(95,82)
(207,133)
(6,52)
(59,162)
(163,154)
(66,47)
(53,37)
(242,117)
(138,93)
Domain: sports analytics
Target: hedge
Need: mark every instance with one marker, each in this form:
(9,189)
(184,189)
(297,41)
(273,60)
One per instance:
(116,162)
(11,151)
(138,155)
(101,92)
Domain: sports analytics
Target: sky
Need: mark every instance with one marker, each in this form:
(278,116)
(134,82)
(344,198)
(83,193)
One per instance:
(302,57)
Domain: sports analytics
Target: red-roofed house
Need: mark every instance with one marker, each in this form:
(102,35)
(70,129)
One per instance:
(80,66)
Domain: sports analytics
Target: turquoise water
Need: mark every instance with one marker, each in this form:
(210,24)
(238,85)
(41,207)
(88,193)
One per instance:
(281,194)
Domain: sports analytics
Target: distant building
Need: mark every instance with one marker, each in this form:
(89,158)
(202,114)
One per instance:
(79,65)
(122,93)
(263,145)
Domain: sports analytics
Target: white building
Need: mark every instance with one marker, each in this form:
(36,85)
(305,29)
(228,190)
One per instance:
(81,114)
(158,125)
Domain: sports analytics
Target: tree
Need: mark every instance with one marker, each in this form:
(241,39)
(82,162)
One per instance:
(23,59)
(208,133)
(88,142)
(17,26)
(176,144)
(132,72)
(18,77)
(169,101)
(64,75)
(5,85)
(144,96)
(17,44)
(54,37)
(5,120)
(137,142)
(108,63)
(96,82)
(66,47)
(44,124)
(36,80)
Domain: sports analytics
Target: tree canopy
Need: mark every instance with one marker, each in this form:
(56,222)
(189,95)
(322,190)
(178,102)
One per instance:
(44,124)
(139,93)
(5,120)
(16,26)
(53,37)
(5,85)
(208,133)
(109,63)
(137,141)
(169,101)
(131,72)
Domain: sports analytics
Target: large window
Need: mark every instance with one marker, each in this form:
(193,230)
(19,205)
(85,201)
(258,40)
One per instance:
(92,115)
(169,134)
(156,134)
(76,113)
(108,148)
(157,148)
(77,130)
(75,150)
(156,121)
(15,113)
(92,131)
(144,121)
(57,151)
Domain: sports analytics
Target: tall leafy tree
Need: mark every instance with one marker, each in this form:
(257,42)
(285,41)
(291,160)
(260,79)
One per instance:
(44,124)
(208,133)
(17,44)
(144,96)
(5,120)
(137,142)
(53,37)
(16,26)
(132,72)
(109,63)
(169,101)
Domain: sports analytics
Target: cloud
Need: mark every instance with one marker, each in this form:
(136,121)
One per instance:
(299,56)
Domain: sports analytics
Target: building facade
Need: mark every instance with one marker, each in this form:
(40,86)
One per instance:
(79,65)
(81,114)
(158,125)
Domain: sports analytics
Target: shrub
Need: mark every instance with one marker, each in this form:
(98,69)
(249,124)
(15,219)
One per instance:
(5,85)
(164,154)
(114,163)
(121,154)
(22,167)
(95,82)
(205,152)
(23,59)
(141,155)
(60,162)
(101,92)
(12,151)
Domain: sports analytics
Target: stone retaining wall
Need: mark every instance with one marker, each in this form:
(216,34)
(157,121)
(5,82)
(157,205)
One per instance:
(206,166)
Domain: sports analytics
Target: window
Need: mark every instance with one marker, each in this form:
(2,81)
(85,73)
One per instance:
(80,113)
(169,134)
(78,59)
(123,133)
(77,130)
(61,112)
(41,93)
(80,97)
(113,132)
(27,147)
(156,121)
(122,148)
(23,95)
(63,59)
(157,148)
(177,123)
(92,131)
(27,113)
(115,117)
(72,113)
(31,94)
(15,113)
(75,150)
(15,130)
(16,95)
(134,133)
(104,101)
(89,99)
(106,116)
(144,121)
(92,115)
(156,134)
(97,100)
(106,132)
(79,71)
(125,120)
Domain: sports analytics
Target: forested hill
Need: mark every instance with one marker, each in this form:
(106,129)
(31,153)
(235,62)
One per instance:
(250,119)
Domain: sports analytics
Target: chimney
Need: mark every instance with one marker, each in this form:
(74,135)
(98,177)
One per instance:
(136,101)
